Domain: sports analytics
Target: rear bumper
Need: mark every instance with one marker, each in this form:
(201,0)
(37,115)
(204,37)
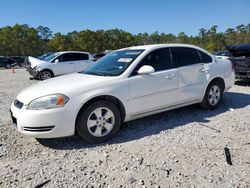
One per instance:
(243,74)
(242,68)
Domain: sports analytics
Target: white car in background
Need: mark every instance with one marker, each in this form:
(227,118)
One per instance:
(124,85)
(59,63)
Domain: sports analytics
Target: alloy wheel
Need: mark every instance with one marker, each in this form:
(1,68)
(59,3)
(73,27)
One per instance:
(45,75)
(100,122)
(214,95)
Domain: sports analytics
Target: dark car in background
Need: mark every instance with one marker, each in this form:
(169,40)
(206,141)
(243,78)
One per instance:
(98,56)
(101,54)
(19,60)
(241,60)
(6,62)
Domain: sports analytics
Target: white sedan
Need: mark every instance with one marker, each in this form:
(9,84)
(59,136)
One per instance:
(124,85)
(59,63)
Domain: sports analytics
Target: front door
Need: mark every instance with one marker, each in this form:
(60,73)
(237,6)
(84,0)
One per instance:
(65,64)
(155,91)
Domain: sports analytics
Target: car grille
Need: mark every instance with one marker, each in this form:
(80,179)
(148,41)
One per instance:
(38,129)
(18,104)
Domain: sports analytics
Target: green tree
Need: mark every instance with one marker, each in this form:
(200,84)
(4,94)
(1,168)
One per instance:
(25,40)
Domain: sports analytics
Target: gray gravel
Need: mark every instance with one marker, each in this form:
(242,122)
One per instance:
(179,148)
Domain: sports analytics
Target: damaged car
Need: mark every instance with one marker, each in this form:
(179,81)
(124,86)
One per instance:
(58,63)
(241,60)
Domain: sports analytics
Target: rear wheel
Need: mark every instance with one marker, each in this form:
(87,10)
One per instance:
(99,122)
(213,96)
(45,74)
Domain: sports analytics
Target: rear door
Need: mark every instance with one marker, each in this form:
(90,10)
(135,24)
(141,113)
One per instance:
(81,61)
(155,91)
(192,74)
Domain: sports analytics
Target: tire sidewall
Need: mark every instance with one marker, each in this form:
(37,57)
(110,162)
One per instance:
(43,72)
(81,123)
(205,103)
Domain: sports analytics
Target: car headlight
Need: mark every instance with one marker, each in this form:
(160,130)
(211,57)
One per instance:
(36,68)
(48,102)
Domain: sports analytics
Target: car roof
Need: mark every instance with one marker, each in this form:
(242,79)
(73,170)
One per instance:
(64,52)
(155,46)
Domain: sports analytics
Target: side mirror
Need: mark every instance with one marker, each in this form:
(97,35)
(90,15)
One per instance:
(146,69)
(56,61)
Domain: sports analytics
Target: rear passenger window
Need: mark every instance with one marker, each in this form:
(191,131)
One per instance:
(79,56)
(204,57)
(185,56)
(158,59)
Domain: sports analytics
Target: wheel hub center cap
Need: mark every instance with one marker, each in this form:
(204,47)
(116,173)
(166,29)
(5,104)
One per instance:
(101,122)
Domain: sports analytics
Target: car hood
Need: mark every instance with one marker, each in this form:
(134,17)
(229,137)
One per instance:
(70,85)
(35,61)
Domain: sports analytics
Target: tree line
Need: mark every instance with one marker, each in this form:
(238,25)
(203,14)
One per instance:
(23,40)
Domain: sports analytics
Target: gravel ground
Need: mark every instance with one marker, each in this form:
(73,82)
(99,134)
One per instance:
(179,148)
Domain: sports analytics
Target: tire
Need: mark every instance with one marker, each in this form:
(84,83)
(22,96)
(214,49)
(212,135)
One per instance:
(213,96)
(8,66)
(45,74)
(91,126)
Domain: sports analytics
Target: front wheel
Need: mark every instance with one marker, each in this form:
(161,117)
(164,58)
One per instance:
(45,74)
(213,96)
(99,122)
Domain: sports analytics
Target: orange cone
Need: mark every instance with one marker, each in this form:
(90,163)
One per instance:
(13,70)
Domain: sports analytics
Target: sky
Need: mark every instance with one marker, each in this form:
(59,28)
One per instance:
(135,16)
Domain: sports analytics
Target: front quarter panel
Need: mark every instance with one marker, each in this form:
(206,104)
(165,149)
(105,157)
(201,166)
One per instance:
(117,89)
(48,65)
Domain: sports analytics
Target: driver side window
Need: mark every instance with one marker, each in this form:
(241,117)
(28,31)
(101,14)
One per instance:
(59,58)
(159,59)
(67,57)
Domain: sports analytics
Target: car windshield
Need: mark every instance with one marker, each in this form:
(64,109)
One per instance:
(50,57)
(113,64)
(43,56)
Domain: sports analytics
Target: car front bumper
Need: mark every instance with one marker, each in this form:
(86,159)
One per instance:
(33,72)
(50,123)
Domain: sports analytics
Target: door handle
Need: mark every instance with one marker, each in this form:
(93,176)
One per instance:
(70,63)
(170,76)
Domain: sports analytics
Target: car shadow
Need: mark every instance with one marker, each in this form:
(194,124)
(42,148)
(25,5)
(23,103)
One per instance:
(153,125)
